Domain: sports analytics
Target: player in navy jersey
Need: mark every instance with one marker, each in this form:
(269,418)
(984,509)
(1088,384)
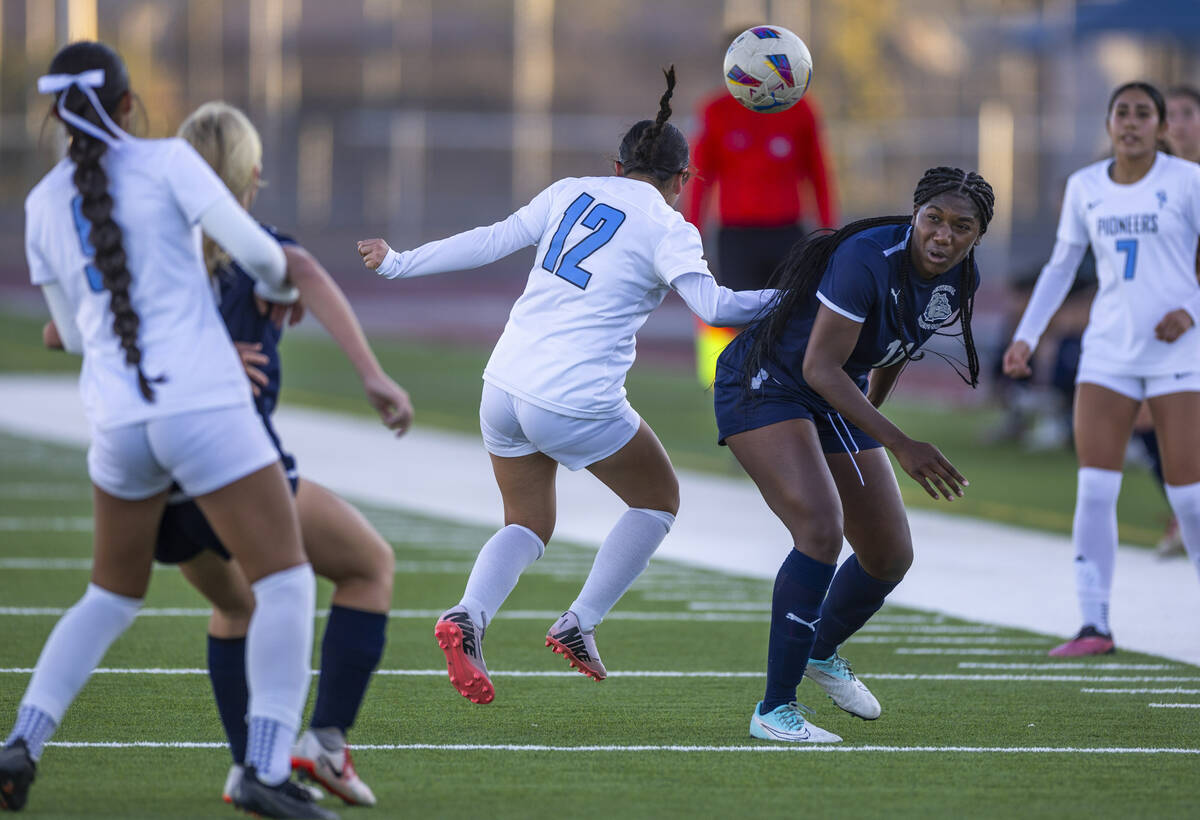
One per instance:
(797,398)
(1139,211)
(339,541)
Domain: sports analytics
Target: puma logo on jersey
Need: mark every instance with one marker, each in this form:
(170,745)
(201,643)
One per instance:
(810,624)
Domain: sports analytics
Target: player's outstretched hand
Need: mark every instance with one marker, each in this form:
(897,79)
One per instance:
(1173,325)
(372,252)
(1016,361)
(929,468)
(390,401)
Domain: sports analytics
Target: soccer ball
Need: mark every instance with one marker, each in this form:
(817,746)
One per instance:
(767,68)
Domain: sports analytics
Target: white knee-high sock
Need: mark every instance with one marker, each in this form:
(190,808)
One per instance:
(623,556)
(278,657)
(1185,502)
(1094,534)
(75,646)
(498,566)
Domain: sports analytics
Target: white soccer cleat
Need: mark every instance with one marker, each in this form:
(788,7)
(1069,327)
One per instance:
(787,723)
(331,767)
(844,689)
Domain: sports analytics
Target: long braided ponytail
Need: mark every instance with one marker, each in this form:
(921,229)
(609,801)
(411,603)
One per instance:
(91,181)
(656,147)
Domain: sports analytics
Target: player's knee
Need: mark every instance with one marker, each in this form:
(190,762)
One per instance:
(821,535)
(890,567)
(383,568)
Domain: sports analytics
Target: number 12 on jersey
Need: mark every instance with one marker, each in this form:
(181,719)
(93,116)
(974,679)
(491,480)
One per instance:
(603,220)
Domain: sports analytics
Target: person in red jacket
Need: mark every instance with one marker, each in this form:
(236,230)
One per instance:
(758,163)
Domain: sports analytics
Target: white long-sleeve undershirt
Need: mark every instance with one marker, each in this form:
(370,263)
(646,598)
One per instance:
(718,305)
(1053,285)
(253,248)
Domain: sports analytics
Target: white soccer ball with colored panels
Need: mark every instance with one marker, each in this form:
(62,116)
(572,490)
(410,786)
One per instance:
(767,68)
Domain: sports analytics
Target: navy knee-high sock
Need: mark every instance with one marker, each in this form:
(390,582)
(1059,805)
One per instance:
(795,606)
(854,596)
(350,651)
(227,672)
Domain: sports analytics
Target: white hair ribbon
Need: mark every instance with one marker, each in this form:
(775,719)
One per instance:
(85,81)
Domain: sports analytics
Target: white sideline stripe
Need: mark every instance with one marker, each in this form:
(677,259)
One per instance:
(54,524)
(11,489)
(966,650)
(1128,667)
(536,615)
(1174,705)
(1171,691)
(668,673)
(791,748)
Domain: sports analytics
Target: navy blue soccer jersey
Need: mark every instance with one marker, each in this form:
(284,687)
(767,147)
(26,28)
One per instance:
(862,282)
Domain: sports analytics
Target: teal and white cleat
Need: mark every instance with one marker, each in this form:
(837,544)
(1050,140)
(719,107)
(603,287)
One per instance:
(844,689)
(787,723)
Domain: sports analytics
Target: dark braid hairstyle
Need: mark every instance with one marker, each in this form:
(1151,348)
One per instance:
(92,183)
(800,273)
(656,147)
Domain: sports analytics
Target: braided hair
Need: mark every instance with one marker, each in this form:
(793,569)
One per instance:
(91,181)
(799,274)
(656,147)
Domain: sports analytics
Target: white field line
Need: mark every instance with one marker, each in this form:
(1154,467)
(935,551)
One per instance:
(1174,705)
(74,523)
(541,615)
(1171,691)
(966,650)
(57,492)
(1110,667)
(777,748)
(663,673)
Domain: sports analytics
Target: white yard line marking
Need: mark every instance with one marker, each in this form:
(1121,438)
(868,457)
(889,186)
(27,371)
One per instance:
(1128,667)
(672,673)
(16,489)
(75,523)
(784,748)
(1174,705)
(526,614)
(965,650)
(1169,691)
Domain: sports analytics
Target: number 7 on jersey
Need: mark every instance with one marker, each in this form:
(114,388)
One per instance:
(602,219)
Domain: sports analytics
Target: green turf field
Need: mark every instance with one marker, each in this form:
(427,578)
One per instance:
(1007,484)
(977,721)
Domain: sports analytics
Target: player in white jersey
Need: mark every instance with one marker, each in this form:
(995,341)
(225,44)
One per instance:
(1140,212)
(608,251)
(112,239)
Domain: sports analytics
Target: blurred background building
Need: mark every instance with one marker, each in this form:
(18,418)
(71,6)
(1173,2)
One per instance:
(412,119)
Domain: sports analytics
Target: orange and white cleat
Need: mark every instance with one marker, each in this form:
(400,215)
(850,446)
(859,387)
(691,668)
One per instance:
(461,639)
(323,756)
(577,646)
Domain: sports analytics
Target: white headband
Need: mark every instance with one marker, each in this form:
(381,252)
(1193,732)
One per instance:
(85,82)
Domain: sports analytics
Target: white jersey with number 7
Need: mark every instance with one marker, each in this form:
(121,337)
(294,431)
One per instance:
(1144,238)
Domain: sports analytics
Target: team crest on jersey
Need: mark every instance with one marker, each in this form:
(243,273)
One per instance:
(938,310)
(1162,198)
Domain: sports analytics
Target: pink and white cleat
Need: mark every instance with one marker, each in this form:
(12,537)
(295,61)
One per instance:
(330,765)
(461,639)
(577,646)
(1089,641)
